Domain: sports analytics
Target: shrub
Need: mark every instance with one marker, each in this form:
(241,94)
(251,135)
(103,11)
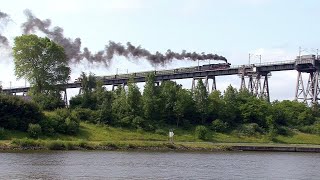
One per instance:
(34,130)
(25,142)
(161,132)
(62,121)
(312,129)
(201,132)
(17,114)
(2,133)
(49,101)
(57,145)
(219,126)
(126,121)
(282,130)
(249,129)
(86,115)
(138,122)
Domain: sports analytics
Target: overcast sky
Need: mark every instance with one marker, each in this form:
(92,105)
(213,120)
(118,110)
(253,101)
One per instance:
(231,28)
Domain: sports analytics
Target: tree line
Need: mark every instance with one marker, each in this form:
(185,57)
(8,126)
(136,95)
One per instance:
(169,105)
(44,64)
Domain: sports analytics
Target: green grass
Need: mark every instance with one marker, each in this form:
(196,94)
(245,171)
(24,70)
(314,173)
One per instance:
(93,136)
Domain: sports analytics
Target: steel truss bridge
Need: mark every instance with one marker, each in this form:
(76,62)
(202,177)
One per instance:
(254,77)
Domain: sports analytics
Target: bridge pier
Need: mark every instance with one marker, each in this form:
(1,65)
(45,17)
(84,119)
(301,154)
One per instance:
(310,65)
(65,97)
(114,86)
(310,93)
(206,83)
(254,81)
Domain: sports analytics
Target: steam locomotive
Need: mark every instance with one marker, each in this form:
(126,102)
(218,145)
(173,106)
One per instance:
(206,67)
(213,66)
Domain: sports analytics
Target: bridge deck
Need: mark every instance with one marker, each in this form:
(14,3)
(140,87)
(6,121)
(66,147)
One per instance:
(179,73)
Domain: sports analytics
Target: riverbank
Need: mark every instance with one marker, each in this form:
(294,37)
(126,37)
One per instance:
(34,145)
(101,137)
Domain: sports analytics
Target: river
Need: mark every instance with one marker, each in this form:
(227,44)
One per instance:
(159,165)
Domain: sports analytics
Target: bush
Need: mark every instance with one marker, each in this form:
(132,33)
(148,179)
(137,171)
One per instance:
(219,126)
(138,122)
(161,132)
(62,121)
(34,130)
(17,114)
(26,143)
(250,129)
(126,121)
(201,132)
(2,133)
(87,115)
(57,145)
(312,129)
(49,101)
(282,130)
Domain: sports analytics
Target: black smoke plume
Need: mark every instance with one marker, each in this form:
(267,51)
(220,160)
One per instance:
(4,18)
(74,53)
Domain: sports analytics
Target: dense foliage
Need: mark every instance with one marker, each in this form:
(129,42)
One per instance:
(16,113)
(44,64)
(19,114)
(170,105)
(163,106)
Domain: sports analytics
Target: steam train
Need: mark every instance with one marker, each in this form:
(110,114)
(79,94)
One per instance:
(213,66)
(206,67)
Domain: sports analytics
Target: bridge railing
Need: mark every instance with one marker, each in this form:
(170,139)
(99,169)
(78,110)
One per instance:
(14,87)
(186,70)
(276,63)
(171,71)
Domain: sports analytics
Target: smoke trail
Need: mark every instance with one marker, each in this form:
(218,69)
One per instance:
(4,18)
(157,58)
(75,55)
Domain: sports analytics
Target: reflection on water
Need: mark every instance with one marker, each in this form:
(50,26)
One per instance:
(158,165)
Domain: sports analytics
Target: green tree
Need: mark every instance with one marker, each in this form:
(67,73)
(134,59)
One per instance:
(231,113)
(120,108)
(200,96)
(255,110)
(88,83)
(287,113)
(168,96)
(216,105)
(16,113)
(184,105)
(34,130)
(92,93)
(150,100)
(43,63)
(134,99)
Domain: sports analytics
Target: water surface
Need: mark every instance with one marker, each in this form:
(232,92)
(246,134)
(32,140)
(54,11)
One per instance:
(159,165)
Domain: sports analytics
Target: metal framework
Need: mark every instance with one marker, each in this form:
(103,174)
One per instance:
(254,85)
(206,83)
(310,93)
(257,76)
(254,75)
(65,97)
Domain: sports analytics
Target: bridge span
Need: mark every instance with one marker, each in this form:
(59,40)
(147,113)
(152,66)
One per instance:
(254,77)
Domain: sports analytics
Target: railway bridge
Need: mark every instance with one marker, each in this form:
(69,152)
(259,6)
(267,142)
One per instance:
(254,77)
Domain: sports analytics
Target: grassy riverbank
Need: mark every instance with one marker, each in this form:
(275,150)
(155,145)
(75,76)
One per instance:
(102,137)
